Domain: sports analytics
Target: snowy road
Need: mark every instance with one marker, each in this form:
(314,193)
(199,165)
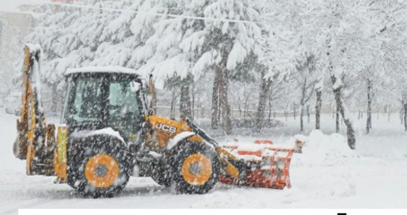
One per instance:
(326,175)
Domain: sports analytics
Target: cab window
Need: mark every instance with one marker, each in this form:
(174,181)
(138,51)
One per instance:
(124,109)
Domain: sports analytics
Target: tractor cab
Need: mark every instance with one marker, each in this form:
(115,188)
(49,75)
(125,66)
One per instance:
(101,97)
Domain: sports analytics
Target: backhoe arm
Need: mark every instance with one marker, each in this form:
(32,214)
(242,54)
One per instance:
(35,140)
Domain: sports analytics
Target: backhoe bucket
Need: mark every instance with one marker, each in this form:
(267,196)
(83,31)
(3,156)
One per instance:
(266,165)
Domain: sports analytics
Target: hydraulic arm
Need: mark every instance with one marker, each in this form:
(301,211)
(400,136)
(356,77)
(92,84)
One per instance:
(35,140)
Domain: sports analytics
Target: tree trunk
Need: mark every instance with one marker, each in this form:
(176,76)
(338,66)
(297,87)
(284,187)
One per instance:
(270,108)
(318,108)
(219,102)
(153,103)
(173,98)
(286,115)
(341,107)
(55,98)
(337,118)
(308,114)
(301,118)
(185,101)
(405,116)
(264,95)
(225,108)
(215,100)
(302,103)
(240,108)
(193,100)
(369,107)
(246,104)
(246,108)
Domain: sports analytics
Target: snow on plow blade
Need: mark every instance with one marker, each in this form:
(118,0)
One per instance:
(266,165)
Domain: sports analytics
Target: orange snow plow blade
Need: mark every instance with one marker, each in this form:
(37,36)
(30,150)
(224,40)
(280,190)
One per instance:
(266,165)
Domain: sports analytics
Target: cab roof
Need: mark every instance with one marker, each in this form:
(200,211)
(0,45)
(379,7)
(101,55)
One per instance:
(110,69)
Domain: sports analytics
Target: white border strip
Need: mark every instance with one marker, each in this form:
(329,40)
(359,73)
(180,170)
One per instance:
(213,211)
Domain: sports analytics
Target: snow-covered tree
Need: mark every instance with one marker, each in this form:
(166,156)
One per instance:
(228,45)
(304,80)
(222,38)
(259,44)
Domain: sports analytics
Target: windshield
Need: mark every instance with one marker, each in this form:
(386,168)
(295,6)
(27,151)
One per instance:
(84,100)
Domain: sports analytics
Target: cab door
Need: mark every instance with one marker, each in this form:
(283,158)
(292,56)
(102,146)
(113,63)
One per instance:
(124,109)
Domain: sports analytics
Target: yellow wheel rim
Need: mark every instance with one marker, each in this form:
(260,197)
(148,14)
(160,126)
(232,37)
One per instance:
(197,169)
(101,171)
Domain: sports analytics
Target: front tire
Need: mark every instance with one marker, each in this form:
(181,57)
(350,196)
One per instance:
(100,167)
(195,168)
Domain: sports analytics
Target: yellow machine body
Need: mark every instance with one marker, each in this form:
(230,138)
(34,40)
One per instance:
(46,153)
(166,129)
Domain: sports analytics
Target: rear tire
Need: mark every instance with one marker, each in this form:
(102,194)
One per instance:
(195,168)
(100,166)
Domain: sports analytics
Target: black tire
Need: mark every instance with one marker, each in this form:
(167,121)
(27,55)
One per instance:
(180,154)
(82,150)
(161,175)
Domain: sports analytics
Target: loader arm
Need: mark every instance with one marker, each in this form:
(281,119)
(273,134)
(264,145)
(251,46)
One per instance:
(35,140)
(231,164)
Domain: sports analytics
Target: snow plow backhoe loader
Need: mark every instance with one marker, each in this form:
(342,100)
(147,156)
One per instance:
(108,134)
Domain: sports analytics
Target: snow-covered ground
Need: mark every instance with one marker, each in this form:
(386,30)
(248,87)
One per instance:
(326,175)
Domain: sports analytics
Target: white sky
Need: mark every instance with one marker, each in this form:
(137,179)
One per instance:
(11,5)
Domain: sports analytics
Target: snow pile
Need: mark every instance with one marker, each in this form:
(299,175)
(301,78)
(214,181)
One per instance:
(325,162)
(321,144)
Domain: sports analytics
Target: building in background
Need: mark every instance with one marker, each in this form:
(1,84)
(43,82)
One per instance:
(15,23)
